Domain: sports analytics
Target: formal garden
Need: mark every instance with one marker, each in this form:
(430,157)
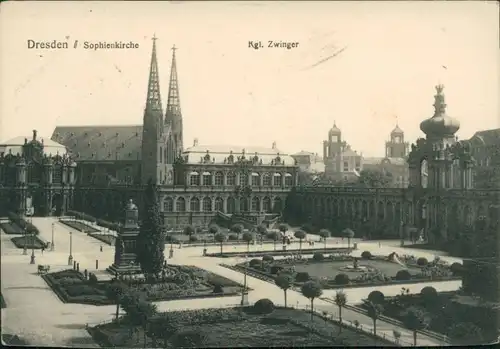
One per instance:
(18,225)
(340,270)
(461,318)
(175,282)
(29,242)
(79,226)
(260,325)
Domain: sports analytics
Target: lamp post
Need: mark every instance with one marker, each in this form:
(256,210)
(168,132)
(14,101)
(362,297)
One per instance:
(244,292)
(25,249)
(52,247)
(70,258)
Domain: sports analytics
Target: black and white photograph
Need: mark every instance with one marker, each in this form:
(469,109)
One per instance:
(240,174)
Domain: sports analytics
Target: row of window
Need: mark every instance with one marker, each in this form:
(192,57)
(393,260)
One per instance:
(35,174)
(265,180)
(205,205)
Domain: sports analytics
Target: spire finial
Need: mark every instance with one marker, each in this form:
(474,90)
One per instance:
(173,104)
(154,38)
(174,48)
(154,98)
(439,104)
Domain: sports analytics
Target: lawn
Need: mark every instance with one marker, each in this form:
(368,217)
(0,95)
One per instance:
(31,242)
(337,271)
(80,226)
(180,282)
(11,228)
(200,238)
(444,310)
(106,238)
(240,327)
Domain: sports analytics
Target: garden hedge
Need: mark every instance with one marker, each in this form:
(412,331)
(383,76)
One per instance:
(22,223)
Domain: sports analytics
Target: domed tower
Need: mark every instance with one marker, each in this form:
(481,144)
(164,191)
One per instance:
(396,147)
(332,150)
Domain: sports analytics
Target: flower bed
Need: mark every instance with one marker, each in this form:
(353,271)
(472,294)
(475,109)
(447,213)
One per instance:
(334,272)
(339,250)
(180,282)
(32,241)
(100,222)
(79,226)
(106,238)
(11,229)
(237,327)
(22,223)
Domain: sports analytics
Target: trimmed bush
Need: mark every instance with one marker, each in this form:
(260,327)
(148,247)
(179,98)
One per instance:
(457,269)
(263,306)
(422,261)
(341,279)
(403,275)
(275,269)
(429,294)
(366,255)
(22,223)
(232,237)
(218,289)
(376,297)
(193,238)
(302,276)
(318,256)
(268,258)
(255,263)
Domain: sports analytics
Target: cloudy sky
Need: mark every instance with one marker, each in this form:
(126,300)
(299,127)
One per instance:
(395,53)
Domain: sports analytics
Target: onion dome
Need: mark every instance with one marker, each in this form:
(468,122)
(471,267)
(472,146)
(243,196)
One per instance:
(397,131)
(334,129)
(440,125)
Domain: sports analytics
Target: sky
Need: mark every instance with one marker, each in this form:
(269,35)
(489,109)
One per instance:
(395,53)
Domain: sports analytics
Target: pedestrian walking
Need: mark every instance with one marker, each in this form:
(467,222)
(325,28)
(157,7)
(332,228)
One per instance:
(101,248)
(43,249)
(379,244)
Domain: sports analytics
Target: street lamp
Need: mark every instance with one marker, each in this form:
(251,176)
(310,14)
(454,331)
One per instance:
(52,247)
(70,258)
(244,292)
(25,249)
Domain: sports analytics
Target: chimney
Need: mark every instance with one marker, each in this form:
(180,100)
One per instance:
(274,145)
(195,142)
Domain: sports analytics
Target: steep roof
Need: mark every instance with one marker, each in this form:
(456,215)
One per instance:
(487,137)
(101,143)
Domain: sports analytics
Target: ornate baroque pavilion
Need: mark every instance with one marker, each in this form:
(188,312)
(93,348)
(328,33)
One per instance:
(233,183)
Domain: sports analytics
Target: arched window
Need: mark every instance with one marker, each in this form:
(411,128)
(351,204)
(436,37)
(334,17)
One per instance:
(277,179)
(231,205)
(180,205)
(219,204)
(278,205)
(207,204)
(266,180)
(168,204)
(207,178)
(194,178)
(255,179)
(231,178)
(243,179)
(288,180)
(266,204)
(255,204)
(244,204)
(219,178)
(194,204)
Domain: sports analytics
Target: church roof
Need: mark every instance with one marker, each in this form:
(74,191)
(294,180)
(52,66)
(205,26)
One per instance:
(15,146)
(220,152)
(101,143)
(488,137)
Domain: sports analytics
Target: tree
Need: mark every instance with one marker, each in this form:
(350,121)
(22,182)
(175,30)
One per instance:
(415,319)
(274,236)
(324,233)
(262,231)
(145,311)
(213,229)
(220,238)
(311,290)
(340,300)
(189,230)
(374,312)
(151,238)
(349,234)
(465,334)
(247,237)
(284,281)
(115,292)
(375,179)
(163,327)
(237,229)
(300,234)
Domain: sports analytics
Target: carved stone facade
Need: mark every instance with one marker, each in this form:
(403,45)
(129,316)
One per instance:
(35,178)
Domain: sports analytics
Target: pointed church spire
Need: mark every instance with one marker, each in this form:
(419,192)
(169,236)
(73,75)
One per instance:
(153,101)
(173,104)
